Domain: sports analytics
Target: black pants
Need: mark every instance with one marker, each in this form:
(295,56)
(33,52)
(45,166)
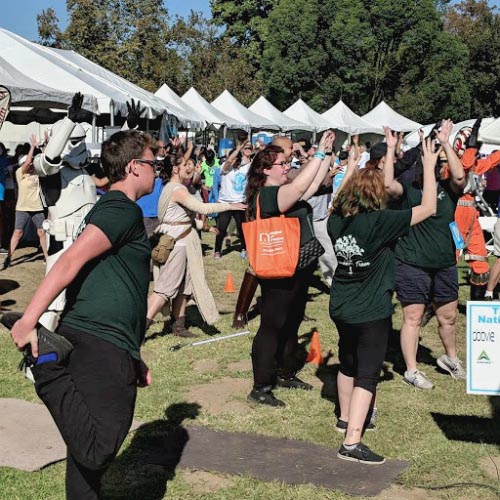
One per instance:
(275,347)
(92,401)
(223,220)
(362,348)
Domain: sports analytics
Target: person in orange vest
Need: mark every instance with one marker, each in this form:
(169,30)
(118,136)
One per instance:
(469,205)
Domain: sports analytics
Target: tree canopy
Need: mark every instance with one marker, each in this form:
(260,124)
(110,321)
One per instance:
(427,58)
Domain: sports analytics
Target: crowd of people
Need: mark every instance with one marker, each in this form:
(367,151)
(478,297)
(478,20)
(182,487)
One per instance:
(379,217)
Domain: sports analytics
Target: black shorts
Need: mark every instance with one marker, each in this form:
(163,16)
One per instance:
(420,285)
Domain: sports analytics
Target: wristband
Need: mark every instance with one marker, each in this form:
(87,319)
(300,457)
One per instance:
(320,155)
(329,153)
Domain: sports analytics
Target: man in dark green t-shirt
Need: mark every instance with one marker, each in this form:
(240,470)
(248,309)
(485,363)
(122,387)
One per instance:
(91,391)
(426,270)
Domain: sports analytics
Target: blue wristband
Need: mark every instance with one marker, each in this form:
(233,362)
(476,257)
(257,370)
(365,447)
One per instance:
(320,155)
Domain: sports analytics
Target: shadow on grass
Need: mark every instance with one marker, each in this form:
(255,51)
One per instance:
(468,428)
(144,468)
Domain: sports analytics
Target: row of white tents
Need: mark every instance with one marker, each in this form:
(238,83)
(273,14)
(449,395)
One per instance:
(45,77)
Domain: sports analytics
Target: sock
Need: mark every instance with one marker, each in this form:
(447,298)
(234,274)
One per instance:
(488,294)
(350,447)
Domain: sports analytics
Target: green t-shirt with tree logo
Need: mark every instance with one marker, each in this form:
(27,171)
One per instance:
(108,297)
(364,279)
(430,243)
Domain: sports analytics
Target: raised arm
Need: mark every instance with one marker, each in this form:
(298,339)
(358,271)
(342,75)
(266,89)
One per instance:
(189,151)
(322,171)
(428,205)
(457,173)
(352,165)
(230,159)
(290,193)
(26,165)
(393,188)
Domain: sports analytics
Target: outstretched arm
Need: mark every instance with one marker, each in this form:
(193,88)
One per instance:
(392,186)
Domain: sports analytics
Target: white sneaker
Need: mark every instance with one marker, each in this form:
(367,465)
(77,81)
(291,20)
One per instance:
(454,368)
(417,379)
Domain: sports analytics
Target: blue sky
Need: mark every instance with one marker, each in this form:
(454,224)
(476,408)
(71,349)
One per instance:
(19,16)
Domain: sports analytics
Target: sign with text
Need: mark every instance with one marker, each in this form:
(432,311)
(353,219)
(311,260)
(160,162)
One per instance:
(483,348)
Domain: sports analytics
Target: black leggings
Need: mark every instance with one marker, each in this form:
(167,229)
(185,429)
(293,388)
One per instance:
(92,402)
(223,220)
(275,347)
(362,348)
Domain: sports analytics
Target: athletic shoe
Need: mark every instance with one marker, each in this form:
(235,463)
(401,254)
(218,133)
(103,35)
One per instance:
(454,368)
(341,426)
(227,242)
(264,397)
(51,346)
(217,256)
(6,263)
(293,383)
(3,251)
(417,379)
(360,453)
(243,254)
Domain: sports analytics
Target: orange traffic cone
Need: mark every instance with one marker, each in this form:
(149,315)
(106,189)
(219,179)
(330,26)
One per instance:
(314,355)
(229,287)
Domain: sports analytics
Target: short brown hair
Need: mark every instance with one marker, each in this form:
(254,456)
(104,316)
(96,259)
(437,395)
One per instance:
(121,148)
(364,192)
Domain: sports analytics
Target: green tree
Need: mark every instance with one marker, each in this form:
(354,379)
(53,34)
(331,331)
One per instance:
(478,26)
(293,61)
(49,33)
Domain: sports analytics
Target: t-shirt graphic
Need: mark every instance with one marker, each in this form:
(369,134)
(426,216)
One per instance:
(239,182)
(347,248)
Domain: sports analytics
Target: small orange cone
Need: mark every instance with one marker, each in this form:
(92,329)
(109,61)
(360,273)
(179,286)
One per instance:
(314,355)
(229,287)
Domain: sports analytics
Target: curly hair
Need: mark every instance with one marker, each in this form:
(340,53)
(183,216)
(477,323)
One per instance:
(256,177)
(364,192)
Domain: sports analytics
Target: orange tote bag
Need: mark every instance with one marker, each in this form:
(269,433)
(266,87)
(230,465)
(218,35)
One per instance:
(272,245)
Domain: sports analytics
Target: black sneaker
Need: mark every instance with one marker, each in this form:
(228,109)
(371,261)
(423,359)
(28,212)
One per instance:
(293,383)
(51,346)
(264,397)
(341,426)
(6,263)
(360,453)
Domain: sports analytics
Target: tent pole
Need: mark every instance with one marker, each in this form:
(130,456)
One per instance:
(111,114)
(314,136)
(147,125)
(94,127)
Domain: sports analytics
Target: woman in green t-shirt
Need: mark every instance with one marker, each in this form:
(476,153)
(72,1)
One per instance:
(363,233)
(275,347)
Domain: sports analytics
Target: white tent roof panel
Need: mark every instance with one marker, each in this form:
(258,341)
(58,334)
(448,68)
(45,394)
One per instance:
(383,115)
(264,108)
(343,118)
(211,114)
(302,112)
(228,104)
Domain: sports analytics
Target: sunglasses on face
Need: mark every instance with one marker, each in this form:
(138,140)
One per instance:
(154,164)
(282,164)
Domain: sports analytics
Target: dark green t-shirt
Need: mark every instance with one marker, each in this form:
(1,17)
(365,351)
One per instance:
(364,279)
(108,298)
(302,210)
(430,243)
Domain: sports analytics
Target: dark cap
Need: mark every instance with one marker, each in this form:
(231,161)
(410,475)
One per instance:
(378,150)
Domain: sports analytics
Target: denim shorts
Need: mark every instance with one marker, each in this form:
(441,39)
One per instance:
(420,285)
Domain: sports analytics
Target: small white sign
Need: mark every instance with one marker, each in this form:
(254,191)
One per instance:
(483,348)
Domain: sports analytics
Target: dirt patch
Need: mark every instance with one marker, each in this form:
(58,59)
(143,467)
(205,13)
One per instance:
(205,366)
(491,466)
(396,492)
(219,396)
(205,482)
(245,365)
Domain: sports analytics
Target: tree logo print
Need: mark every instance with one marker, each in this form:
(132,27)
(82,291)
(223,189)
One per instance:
(346,248)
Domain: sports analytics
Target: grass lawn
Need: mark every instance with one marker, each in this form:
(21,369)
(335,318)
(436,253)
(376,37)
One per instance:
(450,439)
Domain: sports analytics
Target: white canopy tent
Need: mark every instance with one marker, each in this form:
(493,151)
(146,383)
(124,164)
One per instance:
(383,114)
(411,140)
(188,115)
(302,112)
(209,113)
(490,132)
(67,71)
(228,104)
(341,117)
(264,108)
(29,93)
